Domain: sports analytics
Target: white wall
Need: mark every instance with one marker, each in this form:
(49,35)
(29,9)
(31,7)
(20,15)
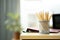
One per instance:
(34,6)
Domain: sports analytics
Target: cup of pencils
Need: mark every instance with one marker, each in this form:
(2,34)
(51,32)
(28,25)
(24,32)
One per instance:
(43,22)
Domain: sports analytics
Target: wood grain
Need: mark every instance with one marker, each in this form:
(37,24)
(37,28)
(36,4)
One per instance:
(40,36)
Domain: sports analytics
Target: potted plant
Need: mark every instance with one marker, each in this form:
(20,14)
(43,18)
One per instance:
(13,24)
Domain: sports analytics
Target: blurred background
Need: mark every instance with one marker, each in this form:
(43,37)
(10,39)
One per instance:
(7,6)
(29,8)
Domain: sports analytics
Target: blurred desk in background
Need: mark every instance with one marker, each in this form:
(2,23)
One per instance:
(37,36)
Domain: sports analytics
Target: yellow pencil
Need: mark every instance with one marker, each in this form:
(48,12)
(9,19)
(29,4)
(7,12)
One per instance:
(50,17)
(46,16)
(38,16)
(42,15)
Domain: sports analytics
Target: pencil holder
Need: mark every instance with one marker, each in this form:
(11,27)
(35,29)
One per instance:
(44,27)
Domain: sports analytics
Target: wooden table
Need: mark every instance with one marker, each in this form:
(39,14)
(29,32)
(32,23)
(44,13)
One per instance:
(36,36)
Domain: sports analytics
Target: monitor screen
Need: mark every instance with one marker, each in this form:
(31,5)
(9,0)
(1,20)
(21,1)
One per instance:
(56,21)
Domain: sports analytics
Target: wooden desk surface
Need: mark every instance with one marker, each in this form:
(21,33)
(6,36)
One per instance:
(40,36)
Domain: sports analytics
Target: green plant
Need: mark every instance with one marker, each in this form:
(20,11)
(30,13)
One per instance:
(13,22)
